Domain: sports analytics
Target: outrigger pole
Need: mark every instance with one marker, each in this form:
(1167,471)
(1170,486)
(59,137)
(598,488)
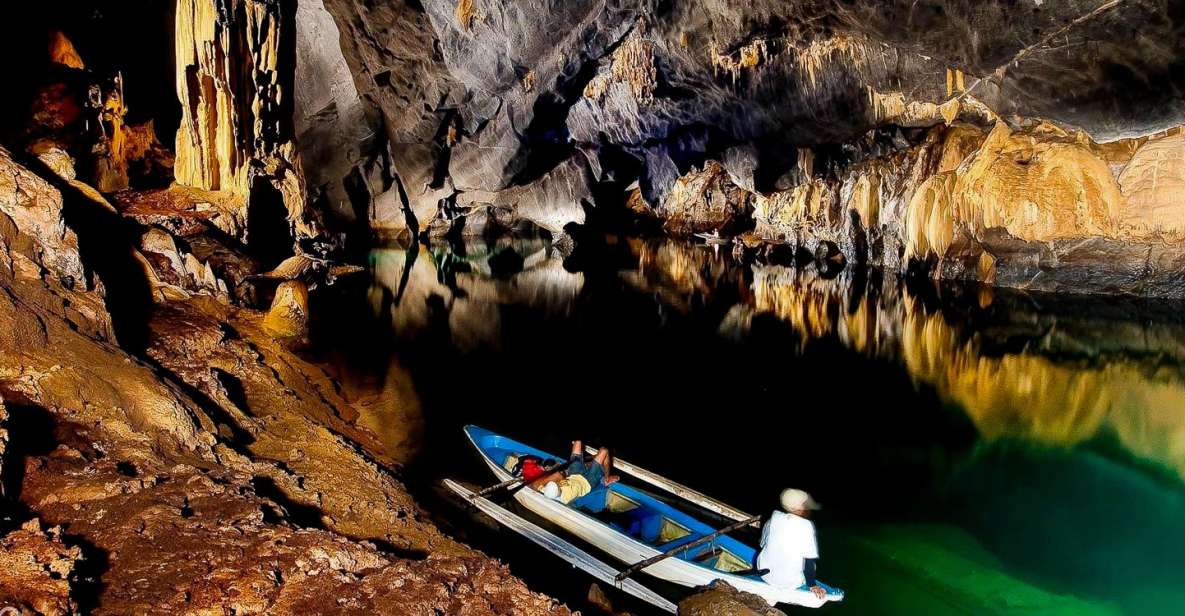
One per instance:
(636,567)
(518,479)
(678,489)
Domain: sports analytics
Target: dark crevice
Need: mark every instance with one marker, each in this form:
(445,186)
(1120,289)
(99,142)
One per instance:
(545,140)
(269,233)
(106,244)
(233,387)
(299,514)
(31,433)
(88,586)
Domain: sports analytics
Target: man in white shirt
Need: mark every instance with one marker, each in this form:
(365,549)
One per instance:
(788,545)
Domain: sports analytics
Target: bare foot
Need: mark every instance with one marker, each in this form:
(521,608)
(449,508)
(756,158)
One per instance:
(612,479)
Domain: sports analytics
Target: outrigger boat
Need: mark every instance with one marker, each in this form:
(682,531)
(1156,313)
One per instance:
(714,239)
(642,530)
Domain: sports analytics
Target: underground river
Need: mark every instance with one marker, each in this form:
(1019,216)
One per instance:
(976,450)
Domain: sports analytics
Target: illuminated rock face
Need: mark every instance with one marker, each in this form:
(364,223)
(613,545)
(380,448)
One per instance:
(235,68)
(1038,208)
(479,96)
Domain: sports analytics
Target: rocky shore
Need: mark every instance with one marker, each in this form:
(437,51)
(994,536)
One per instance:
(164,450)
(214,471)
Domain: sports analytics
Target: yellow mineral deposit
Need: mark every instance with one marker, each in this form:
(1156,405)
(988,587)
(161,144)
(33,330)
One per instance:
(1037,189)
(748,56)
(289,314)
(865,198)
(61,51)
(229,86)
(813,59)
(465,14)
(955,82)
(633,65)
(1153,187)
(804,205)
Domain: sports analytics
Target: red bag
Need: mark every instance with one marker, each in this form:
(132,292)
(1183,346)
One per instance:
(532,469)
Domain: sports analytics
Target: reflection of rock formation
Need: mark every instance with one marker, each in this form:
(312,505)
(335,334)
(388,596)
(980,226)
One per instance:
(461,297)
(1017,371)
(679,273)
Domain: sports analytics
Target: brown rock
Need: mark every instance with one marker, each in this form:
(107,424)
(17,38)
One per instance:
(35,570)
(61,51)
(706,201)
(238,498)
(720,599)
(33,226)
(289,314)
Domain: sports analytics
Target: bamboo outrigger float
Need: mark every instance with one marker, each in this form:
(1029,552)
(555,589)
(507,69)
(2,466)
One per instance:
(644,532)
(565,550)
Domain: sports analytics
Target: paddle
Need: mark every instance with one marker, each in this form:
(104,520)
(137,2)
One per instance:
(636,567)
(513,480)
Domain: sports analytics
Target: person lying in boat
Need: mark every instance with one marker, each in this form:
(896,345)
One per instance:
(788,546)
(581,484)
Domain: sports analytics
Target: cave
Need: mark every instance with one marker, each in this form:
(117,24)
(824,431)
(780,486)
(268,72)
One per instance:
(509,307)
(269,233)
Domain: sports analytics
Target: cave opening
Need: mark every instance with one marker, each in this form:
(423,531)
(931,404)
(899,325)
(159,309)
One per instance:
(269,233)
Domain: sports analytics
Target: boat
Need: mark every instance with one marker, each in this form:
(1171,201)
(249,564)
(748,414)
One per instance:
(636,525)
(714,239)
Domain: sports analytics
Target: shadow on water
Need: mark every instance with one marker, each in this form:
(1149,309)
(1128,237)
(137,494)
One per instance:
(977,451)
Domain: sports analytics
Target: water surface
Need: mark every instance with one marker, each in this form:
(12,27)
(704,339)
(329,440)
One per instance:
(976,451)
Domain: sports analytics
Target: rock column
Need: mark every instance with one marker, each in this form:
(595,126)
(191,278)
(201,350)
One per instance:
(236,63)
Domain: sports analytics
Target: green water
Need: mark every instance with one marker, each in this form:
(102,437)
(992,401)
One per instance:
(977,452)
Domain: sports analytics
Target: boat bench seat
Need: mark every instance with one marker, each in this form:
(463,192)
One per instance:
(648,527)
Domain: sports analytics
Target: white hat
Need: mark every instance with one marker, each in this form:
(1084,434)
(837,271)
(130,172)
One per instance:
(551,490)
(796,500)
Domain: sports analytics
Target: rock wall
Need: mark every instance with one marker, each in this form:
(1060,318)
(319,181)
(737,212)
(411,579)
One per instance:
(336,131)
(236,63)
(226,474)
(478,97)
(1037,208)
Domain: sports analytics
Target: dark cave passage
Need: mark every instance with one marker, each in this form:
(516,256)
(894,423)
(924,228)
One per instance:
(269,234)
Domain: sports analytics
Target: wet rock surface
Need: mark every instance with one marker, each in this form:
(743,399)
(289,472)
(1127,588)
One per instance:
(720,599)
(216,471)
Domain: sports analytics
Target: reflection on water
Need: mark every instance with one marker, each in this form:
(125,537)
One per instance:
(461,295)
(985,452)
(1016,372)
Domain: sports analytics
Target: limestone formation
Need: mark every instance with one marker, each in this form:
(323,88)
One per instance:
(289,314)
(706,201)
(236,66)
(38,568)
(652,91)
(1037,208)
(227,474)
